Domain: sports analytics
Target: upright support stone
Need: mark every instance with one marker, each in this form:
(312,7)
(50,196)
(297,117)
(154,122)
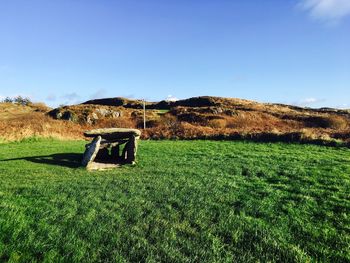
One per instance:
(91,151)
(131,150)
(124,153)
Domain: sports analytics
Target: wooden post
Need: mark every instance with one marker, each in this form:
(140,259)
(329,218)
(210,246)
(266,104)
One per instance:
(144,114)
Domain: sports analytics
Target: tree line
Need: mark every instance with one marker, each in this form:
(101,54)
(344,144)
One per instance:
(18,100)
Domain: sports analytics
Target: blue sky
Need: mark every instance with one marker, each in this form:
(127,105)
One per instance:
(69,51)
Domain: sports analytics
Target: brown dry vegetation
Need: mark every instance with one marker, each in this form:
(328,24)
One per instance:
(18,122)
(194,118)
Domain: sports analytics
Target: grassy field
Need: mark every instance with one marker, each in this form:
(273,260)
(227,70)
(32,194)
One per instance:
(184,201)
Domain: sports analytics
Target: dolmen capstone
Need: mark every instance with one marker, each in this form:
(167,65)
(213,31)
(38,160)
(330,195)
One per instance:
(105,150)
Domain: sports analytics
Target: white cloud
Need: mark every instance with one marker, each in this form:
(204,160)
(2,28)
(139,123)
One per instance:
(171,98)
(330,11)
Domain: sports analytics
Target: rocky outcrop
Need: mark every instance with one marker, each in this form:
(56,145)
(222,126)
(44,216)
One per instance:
(85,114)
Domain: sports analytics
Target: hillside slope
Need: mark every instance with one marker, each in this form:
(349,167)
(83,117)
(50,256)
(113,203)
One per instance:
(212,117)
(20,121)
(193,118)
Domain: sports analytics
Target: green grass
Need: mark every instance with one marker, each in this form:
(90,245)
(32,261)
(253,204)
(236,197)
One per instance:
(184,201)
(162,112)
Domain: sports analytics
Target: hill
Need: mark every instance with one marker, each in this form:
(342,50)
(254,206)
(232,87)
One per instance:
(212,117)
(194,118)
(23,121)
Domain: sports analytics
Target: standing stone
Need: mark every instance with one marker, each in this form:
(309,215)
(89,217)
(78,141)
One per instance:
(91,151)
(131,148)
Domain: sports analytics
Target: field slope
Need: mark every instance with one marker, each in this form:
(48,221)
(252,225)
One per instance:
(183,201)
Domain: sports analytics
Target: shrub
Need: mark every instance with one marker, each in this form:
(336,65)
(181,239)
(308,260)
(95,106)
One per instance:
(7,100)
(149,124)
(25,101)
(115,123)
(308,134)
(193,117)
(169,120)
(239,122)
(337,122)
(69,116)
(331,122)
(22,100)
(217,123)
(38,124)
(170,123)
(40,107)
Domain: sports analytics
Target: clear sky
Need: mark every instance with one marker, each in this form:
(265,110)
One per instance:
(68,51)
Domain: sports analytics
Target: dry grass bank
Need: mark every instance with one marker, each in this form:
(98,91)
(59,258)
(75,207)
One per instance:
(18,122)
(195,118)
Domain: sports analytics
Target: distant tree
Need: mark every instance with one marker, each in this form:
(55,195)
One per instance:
(22,100)
(7,100)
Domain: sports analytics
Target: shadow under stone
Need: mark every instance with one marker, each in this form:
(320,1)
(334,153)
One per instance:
(71,160)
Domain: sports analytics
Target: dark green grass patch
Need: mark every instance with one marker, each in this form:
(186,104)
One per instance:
(185,201)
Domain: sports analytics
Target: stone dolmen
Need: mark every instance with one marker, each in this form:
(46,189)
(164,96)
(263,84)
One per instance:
(104,151)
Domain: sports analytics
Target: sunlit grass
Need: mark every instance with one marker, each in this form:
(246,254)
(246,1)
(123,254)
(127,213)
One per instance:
(183,201)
